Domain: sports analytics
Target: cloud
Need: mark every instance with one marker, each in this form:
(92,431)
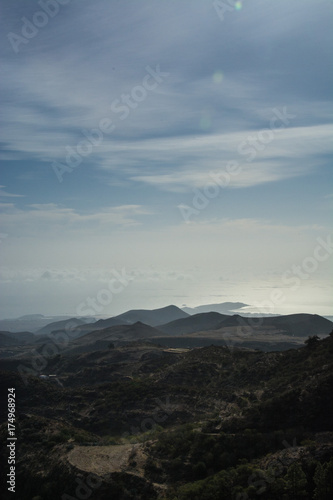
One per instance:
(190,162)
(52,94)
(252,226)
(9,195)
(37,218)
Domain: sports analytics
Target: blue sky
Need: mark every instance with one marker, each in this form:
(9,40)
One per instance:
(187,142)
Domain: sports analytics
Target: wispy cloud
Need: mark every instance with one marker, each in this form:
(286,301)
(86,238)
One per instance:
(8,195)
(191,161)
(37,218)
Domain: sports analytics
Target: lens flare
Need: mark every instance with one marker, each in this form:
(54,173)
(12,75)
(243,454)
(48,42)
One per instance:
(238,5)
(205,122)
(218,77)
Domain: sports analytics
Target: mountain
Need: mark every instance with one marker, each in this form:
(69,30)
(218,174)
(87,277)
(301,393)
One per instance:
(152,317)
(223,308)
(299,325)
(195,323)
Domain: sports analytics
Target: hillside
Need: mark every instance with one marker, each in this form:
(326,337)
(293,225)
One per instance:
(227,414)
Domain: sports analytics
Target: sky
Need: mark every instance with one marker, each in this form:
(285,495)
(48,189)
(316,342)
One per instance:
(165,152)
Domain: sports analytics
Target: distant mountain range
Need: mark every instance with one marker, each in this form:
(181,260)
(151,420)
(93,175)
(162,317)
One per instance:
(173,326)
(269,333)
(36,323)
